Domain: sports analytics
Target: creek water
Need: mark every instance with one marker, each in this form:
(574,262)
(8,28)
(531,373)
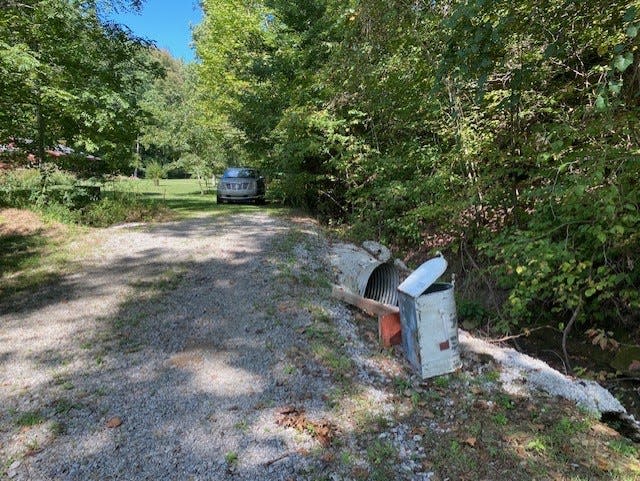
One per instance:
(586,359)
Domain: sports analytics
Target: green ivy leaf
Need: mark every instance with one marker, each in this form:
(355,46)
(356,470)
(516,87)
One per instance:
(632,31)
(622,62)
(601,103)
(615,87)
(630,14)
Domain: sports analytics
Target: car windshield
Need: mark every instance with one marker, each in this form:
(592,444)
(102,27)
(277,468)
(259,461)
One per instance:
(236,172)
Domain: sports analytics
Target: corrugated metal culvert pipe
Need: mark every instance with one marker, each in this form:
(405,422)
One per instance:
(361,273)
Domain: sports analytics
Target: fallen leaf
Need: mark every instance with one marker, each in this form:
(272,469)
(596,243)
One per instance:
(114,422)
(359,472)
(602,463)
(292,417)
(328,457)
(287,410)
(603,429)
(471,441)
(482,404)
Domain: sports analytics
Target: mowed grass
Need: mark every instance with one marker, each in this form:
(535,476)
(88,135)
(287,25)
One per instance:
(183,196)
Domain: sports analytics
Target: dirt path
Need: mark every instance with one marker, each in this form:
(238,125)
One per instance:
(209,349)
(176,333)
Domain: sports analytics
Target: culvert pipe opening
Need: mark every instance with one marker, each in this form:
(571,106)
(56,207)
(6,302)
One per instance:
(382,285)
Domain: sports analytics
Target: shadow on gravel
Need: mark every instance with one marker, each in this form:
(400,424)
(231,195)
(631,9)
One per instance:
(18,254)
(182,381)
(97,282)
(90,283)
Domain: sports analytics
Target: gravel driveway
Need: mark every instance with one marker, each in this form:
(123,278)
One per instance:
(167,355)
(210,349)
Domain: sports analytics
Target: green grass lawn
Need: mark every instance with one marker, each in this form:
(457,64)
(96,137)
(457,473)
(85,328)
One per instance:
(183,196)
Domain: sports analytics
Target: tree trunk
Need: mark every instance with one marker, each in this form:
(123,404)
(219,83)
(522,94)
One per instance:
(41,132)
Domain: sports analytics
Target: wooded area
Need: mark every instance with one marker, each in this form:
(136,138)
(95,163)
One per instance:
(503,133)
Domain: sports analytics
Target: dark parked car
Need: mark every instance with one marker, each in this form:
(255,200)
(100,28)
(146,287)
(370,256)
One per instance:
(241,184)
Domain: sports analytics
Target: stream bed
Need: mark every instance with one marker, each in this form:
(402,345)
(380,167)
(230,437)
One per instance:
(588,361)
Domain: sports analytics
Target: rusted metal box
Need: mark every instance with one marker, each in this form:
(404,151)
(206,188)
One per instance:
(429,321)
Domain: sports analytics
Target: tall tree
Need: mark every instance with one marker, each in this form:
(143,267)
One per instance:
(67,76)
(176,131)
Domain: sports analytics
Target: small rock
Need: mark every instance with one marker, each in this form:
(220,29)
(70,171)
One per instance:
(114,422)
(377,250)
(12,472)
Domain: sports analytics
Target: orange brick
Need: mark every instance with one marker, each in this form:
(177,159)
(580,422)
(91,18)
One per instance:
(389,330)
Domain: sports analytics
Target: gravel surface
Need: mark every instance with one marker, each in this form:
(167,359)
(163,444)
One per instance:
(165,356)
(174,351)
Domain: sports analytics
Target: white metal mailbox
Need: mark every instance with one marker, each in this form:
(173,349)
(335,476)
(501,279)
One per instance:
(428,319)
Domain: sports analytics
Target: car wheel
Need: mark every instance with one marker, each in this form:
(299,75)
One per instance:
(219,200)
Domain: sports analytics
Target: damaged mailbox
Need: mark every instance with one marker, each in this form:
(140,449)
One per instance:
(429,321)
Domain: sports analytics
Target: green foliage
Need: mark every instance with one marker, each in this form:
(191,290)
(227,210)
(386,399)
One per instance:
(117,207)
(382,456)
(231,458)
(155,171)
(576,247)
(17,187)
(624,447)
(509,128)
(60,196)
(67,75)
(30,418)
(198,168)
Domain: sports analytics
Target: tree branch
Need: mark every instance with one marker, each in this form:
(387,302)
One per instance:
(565,334)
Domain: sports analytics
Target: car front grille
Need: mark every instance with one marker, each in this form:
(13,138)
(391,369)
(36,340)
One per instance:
(237,185)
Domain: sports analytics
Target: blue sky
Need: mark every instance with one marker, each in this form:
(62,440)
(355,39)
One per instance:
(167,22)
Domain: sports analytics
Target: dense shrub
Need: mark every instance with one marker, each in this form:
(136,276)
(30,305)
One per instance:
(117,207)
(60,196)
(18,187)
(577,248)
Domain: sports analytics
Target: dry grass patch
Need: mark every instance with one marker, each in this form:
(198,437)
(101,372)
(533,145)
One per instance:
(32,250)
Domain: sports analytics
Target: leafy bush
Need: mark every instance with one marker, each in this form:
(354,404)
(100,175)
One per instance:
(60,213)
(155,170)
(117,207)
(577,248)
(18,186)
(82,166)
(47,185)
(59,196)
